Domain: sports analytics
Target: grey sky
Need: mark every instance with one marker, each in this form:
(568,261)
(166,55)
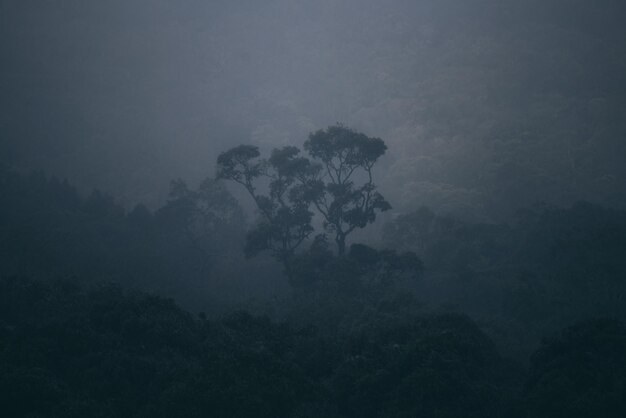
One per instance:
(125,95)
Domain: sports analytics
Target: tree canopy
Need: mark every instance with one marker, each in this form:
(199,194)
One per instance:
(345,204)
(337,180)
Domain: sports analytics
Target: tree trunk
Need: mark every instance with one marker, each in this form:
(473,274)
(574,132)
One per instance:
(341,244)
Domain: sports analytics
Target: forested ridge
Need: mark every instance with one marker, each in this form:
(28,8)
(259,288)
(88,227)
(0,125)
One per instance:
(351,337)
(329,208)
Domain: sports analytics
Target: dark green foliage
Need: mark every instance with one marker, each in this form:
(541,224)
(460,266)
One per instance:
(238,164)
(344,155)
(580,373)
(427,367)
(546,269)
(205,223)
(67,352)
(285,217)
(362,269)
(490,106)
(357,342)
(104,352)
(47,229)
(448,243)
(343,150)
(295,183)
(360,338)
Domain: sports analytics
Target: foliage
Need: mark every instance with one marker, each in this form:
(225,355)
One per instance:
(429,367)
(107,353)
(580,373)
(296,183)
(66,351)
(194,218)
(363,268)
(48,229)
(359,336)
(344,205)
(528,278)
(286,219)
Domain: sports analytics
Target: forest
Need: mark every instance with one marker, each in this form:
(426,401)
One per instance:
(357,209)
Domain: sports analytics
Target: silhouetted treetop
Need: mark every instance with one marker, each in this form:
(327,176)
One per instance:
(344,204)
(328,181)
(343,150)
(285,217)
(237,164)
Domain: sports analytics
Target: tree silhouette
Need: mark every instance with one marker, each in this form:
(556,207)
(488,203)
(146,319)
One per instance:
(196,216)
(285,217)
(340,157)
(345,156)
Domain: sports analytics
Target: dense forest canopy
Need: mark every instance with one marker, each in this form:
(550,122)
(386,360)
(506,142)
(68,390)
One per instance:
(357,208)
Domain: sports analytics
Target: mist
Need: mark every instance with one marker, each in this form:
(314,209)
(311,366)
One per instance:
(341,208)
(481,102)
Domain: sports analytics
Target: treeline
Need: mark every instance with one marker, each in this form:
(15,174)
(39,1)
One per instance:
(543,270)
(68,351)
(48,229)
(547,268)
(372,333)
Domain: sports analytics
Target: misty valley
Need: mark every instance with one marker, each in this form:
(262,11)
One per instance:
(442,318)
(306,209)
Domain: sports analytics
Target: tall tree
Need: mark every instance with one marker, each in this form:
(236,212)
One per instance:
(285,217)
(344,191)
(338,181)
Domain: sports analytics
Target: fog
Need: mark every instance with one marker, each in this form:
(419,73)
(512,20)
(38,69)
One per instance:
(486,106)
(299,208)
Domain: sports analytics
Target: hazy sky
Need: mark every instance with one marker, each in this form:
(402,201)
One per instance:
(126,95)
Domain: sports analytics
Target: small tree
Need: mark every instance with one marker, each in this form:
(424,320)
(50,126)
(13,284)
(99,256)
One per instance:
(344,155)
(198,216)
